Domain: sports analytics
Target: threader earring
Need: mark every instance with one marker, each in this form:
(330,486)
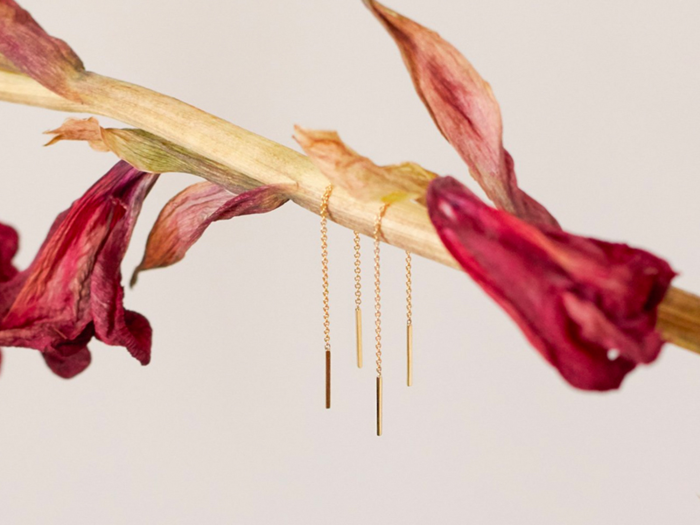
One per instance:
(358,299)
(326,303)
(378,313)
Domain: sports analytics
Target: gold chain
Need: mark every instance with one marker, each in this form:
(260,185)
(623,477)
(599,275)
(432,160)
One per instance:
(358,271)
(378,289)
(324,266)
(326,302)
(409,291)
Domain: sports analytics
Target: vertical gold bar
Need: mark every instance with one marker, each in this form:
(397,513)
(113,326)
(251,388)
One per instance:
(379,406)
(409,354)
(358,335)
(328,379)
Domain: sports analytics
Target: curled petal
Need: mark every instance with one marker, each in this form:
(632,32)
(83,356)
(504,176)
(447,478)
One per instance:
(186,216)
(149,152)
(48,60)
(465,110)
(72,290)
(358,175)
(576,299)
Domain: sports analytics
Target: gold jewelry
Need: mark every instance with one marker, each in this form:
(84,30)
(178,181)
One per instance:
(409,322)
(358,299)
(326,303)
(378,313)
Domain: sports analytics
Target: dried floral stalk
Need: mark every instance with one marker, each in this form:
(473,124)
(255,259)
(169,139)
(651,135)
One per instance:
(406,224)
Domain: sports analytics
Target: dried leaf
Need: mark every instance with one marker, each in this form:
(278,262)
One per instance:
(149,152)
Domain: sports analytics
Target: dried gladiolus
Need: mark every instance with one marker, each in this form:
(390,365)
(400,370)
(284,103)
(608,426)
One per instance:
(72,290)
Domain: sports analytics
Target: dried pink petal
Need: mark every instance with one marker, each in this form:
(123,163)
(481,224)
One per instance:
(465,110)
(71,291)
(186,216)
(575,298)
(48,60)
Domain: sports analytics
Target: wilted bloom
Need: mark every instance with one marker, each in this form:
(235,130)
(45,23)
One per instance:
(184,219)
(588,306)
(72,290)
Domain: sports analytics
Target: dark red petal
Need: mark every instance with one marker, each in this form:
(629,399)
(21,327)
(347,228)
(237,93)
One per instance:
(186,216)
(73,284)
(48,60)
(465,110)
(68,358)
(70,366)
(575,298)
(9,244)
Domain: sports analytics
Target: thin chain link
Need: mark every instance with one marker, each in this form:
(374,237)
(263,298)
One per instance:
(358,271)
(409,290)
(378,289)
(324,266)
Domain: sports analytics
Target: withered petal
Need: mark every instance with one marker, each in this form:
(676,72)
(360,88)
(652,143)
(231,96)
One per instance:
(9,244)
(183,220)
(465,110)
(46,59)
(358,175)
(575,298)
(72,290)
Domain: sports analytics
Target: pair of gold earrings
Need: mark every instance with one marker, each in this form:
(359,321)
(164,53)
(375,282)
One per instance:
(377,233)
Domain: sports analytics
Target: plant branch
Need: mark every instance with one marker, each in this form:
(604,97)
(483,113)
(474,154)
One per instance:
(405,225)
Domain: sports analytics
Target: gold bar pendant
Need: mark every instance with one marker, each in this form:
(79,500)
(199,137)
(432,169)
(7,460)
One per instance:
(409,354)
(328,379)
(358,335)
(379,406)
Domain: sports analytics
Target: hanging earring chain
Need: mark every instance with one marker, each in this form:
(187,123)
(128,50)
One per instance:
(378,313)
(326,301)
(358,299)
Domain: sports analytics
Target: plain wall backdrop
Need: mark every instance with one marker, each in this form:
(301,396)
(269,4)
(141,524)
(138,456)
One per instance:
(601,106)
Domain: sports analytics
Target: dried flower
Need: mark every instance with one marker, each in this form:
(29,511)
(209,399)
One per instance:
(72,290)
(588,306)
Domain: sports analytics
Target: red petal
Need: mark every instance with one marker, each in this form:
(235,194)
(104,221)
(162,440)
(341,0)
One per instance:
(575,298)
(464,109)
(72,287)
(9,244)
(186,216)
(48,60)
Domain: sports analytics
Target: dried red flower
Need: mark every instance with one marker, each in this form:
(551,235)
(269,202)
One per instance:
(72,290)
(576,299)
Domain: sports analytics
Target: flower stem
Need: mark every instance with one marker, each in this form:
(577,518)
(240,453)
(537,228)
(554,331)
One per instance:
(406,225)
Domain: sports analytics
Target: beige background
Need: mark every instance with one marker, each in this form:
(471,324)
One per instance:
(602,115)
